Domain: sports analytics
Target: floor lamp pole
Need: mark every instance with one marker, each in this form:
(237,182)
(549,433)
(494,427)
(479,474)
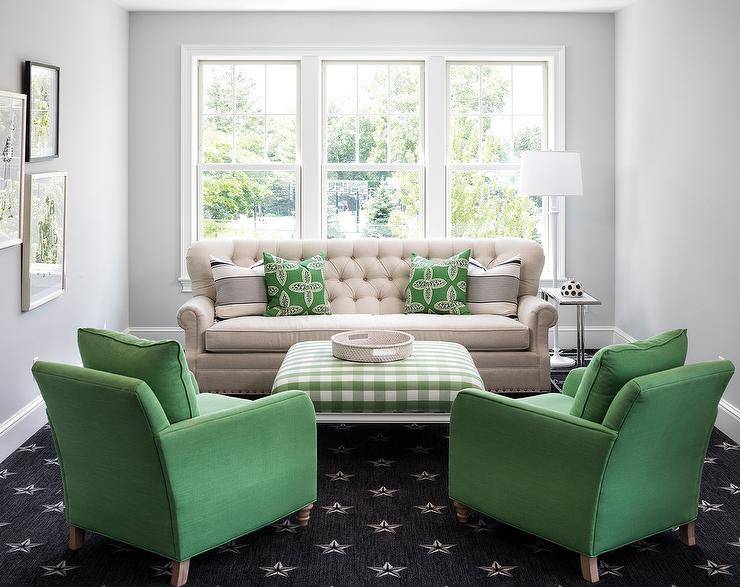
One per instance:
(557,361)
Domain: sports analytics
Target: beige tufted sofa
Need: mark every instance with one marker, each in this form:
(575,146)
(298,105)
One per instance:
(366,280)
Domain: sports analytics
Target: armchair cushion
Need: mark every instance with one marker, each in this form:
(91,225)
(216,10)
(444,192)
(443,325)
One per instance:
(161,364)
(615,365)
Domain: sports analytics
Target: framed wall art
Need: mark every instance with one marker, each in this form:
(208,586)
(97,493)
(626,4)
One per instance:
(41,85)
(12,142)
(44,238)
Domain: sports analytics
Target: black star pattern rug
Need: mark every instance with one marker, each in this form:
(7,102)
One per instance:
(382,517)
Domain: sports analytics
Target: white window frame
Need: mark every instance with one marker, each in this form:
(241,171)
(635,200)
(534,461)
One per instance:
(309,142)
(327,167)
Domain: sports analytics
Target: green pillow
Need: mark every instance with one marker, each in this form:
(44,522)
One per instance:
(160,364)
(615,365)
(295,289)
(438,288)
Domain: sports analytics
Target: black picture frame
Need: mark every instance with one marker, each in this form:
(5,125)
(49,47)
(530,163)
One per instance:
(27,89)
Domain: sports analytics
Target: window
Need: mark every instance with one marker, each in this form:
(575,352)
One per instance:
(373,123)
(314,142)
(495,111)
(248,149)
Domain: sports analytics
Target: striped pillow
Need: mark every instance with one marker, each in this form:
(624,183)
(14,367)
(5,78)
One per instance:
(240,291)
(494,290)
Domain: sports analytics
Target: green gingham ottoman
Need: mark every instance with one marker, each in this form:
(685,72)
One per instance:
(427,381)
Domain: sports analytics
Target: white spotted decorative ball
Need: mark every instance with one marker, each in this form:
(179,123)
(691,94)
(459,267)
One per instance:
(571,289)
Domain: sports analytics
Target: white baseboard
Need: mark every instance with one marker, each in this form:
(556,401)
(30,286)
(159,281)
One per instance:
(620,336)
(158,332)
(728,419)
(21,425)
(596,337)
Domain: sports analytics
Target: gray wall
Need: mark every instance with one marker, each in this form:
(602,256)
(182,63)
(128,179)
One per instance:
(678,176)
(154,124)
(89,41)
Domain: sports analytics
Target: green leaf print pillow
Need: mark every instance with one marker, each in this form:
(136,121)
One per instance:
(438,288)
(295,289)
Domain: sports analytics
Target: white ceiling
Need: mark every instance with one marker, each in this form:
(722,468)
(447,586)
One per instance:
(377,5)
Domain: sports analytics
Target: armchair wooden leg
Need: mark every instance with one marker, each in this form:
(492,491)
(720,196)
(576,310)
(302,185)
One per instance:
(179,573)
(687,532)
(76,537)
(462,512)
(304,514)
(590,568)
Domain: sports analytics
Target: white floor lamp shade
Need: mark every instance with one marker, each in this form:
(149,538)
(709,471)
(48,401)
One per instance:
(552,174)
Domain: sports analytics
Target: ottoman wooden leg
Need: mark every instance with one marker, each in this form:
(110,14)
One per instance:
(462,512)
(179,573)
(76,538)
(304,514)
(687,532)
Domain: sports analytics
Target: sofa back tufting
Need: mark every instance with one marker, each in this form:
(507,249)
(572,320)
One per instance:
(365,276)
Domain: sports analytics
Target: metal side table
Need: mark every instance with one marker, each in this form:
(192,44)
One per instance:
(553,294)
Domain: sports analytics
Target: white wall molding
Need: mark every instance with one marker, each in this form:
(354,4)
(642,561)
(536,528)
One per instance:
(620,336)
(21,426)
(728,419)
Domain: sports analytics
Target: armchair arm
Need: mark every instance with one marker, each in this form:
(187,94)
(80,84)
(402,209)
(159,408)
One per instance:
(573,380)
(195,317)
(528,466)
(235,470)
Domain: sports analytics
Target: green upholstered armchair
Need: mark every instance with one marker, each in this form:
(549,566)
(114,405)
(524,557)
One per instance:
(588,486)
(176,489)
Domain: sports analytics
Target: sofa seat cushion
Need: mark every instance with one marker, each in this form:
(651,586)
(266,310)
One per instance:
(261,333)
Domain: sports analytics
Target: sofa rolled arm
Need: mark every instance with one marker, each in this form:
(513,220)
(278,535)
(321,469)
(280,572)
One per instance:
(539,316)
(195,317)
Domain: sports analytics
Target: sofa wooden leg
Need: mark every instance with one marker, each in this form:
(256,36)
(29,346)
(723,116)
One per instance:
(462,512)
(304,515)
(590,568)
(687,532)
(179,573)
(76,537)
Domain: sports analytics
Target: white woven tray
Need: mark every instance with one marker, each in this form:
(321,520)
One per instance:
(372,346)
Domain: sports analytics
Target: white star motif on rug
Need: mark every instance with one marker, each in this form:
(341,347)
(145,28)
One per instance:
(415,426)
(732,488)
(705,506)
(381,462)
(480,526)
(419,450)
(384,526)
(30,448)
(342,450)
(383,491)
(343,426)
(710,460)
(4,474)
(735,544)
(538,546)
(607,569)
(337,508)
(387,570)
(713,568)
(30,490)
(24,547)
(425,476)
(727,446)
(60,569)
(119,547)
(286,526)
(165,569)
(379,437)
(231,547)
(51,508)
(334,547)
(430,508)
(54,461)
(278,570)
(497,569)
(339,476)
(437,547)
(645,546)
